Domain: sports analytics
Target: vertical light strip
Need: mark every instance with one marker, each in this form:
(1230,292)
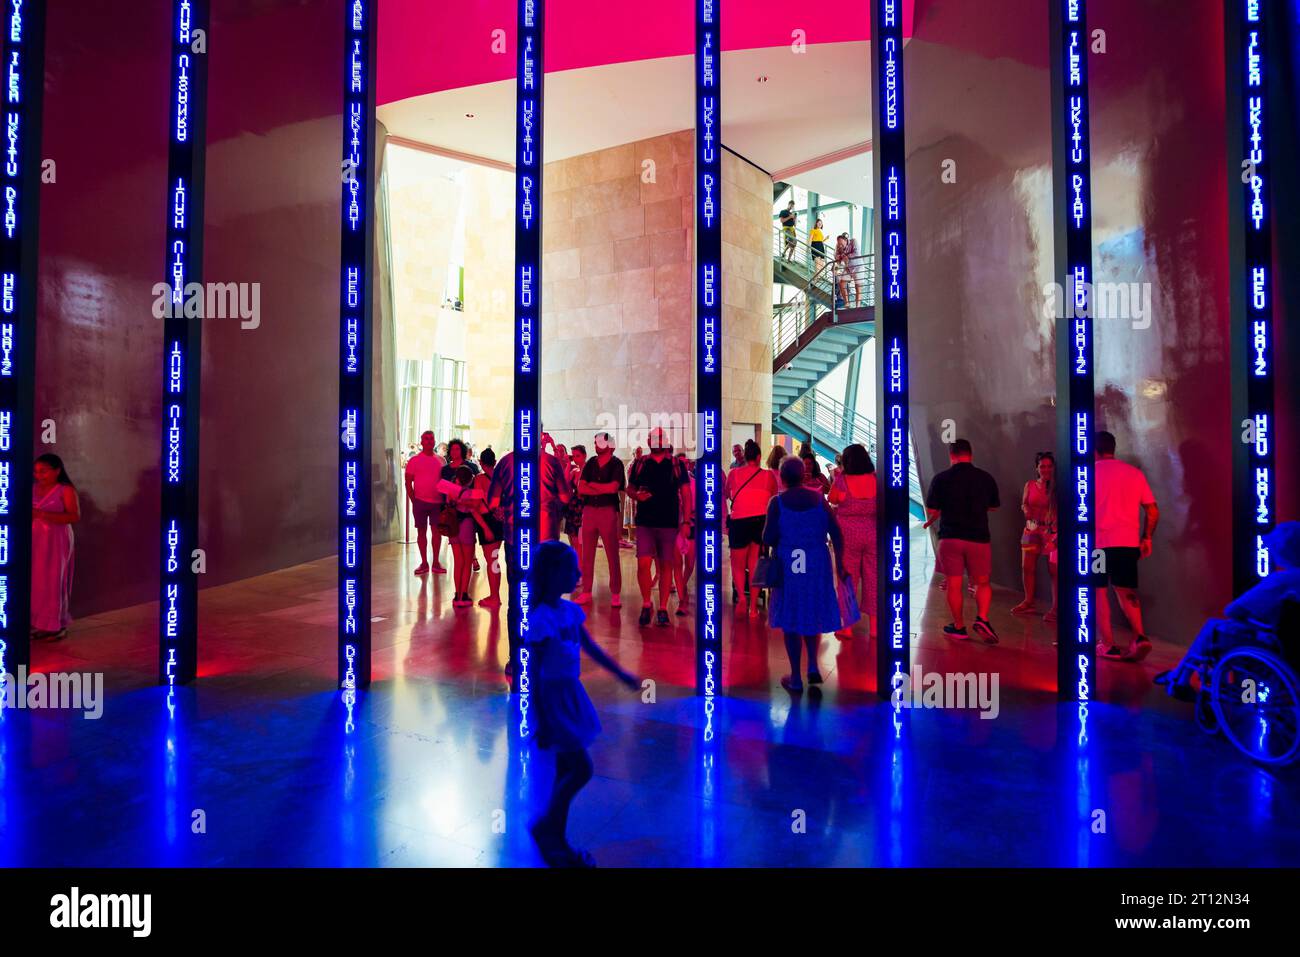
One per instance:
(1250,228)
(24,61)
(182,346)
(708,350)
(529,83)
(1072,212)
(893,564)
(356,269)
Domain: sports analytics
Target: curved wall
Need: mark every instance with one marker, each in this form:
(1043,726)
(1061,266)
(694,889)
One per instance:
(981,254)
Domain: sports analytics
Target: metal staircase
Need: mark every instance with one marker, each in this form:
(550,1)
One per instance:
(815,331)
(829,427)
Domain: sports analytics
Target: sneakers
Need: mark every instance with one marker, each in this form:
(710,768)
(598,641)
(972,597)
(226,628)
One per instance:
(952,631)
(661,619)
(462,601)
(1113,653)
(984,629)
(491,601)
(422,568)
(814,677)
(645,615)
(582,598)
(439,570)
(616,601)
(1141,651)
(1024,608)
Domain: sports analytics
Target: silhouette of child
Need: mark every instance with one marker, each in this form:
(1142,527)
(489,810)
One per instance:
(566,719)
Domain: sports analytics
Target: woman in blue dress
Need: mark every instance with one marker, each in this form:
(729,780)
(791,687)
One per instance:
(804,603)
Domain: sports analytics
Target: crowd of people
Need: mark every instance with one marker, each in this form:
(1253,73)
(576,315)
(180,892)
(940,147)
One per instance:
(774,507)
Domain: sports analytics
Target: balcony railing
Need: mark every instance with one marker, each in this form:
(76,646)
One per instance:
(832,423)
(848,284)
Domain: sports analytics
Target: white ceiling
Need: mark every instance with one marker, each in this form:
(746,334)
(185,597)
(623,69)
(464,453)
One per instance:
(812,104)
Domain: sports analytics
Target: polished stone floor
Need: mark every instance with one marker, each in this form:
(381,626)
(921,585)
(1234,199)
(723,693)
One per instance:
(258,768)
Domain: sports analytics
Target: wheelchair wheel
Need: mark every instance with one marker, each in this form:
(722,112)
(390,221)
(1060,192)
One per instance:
(1266,725)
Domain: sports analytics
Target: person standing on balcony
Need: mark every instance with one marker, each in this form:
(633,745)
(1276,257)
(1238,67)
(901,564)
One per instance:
(840,270)
(854,271)
(789,223)
(817,240)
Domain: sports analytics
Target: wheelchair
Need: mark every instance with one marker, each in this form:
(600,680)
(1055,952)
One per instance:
(1249,689)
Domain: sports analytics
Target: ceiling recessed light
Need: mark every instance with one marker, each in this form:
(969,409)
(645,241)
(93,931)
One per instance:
(469,116)
(762,79)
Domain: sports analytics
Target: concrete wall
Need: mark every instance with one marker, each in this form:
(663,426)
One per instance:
(618,290)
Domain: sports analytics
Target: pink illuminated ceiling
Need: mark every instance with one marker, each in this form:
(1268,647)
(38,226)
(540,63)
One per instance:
(585,33)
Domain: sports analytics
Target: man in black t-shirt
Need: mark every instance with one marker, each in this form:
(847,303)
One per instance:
(661,490)
(789,222)
(960,499)
(599,485)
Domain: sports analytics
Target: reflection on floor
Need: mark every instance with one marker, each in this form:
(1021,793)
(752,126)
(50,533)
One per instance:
(256,767)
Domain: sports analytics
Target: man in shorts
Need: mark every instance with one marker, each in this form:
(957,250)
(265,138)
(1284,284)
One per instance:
(1124,499)
(789,222)
(601,481)
(423,470)
(660,489)
(960,500)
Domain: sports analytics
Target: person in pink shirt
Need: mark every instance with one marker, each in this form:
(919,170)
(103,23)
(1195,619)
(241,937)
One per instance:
(1124,500)
(423,471)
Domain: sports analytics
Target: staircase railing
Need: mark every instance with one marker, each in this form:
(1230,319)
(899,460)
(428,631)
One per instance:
(829,420)
(803,256)
(858,288)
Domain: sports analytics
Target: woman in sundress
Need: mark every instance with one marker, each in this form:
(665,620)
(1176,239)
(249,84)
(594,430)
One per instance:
(55,509)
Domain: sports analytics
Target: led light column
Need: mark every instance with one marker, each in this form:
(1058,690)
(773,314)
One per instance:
(529,83)
(892,564)
(1072,214)
(24,59)
(356,269)
(182,345)
(708,347)
(1250,225)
